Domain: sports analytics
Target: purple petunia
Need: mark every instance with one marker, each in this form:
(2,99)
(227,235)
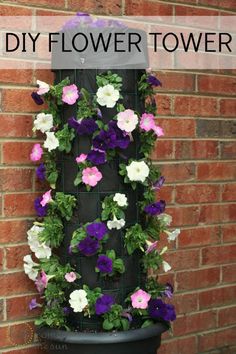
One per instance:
(104,264)
(40,172)
(37,98)
(97,229)
(156,208)
(88,246)
(105,140)
(85,126)
(122,138)
(66,310)
(168,292)
(97,157)
(103,304)
(41,210)
(33,304)
(159,183)
(158,309)
(153,81)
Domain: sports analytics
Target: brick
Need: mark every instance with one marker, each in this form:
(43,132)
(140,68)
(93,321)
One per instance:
(12,231)
(197,193)
(164,150)
(18,308)
(30,350)
(16,76)
(166,278)
(166,193)
(183,259)
(19,100)
(196,149)
(219,255)
(217,297)
(229,4)
(213,171)
(195,11)
(195,106)
(1,258)
(228,149)
(59,4)
(199,237)
(45,75)
(183,216)
(147,8)
(228,273)
(2,310)
(227,316)
(15,283)
(12,179)
(194,323)
(217,339)
(17,334)
(217,84)
(178,172)
(19,204)
(216,128)
(185,303)
(197,279)
(217,213)
(17,152)
(184,128)
(16,126)
(97,6)
(20,21)
(163,103)
(228,107)
(229,192)
(15,255)
(228,233)
(179,345)
(173,81)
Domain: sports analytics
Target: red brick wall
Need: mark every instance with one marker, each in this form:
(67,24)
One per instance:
(197,155)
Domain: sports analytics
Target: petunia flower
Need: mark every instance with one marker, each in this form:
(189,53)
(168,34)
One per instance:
(30,267)
(88,246)
(120,199)
(147,122)
(127,120)
(107,96)
(36,153)
(103,304)
(81,158)
(42,281)
(166,219)
(51,143)
(158,130)
(159,310)
(159,183)
(41,172)
(97,230)
(104,264)
(70,277)
(97,157)
(46,198)
(153,81)
(115,223)
(140,299)
(155,208)
(166,266)
(91,176)
(33,304)
(43,122)
(168,292)
(41,211)
(40,249)
(151,246)
(86,126)
(37,98)
(137,171)
(70,94)
(78,300)
(43,87)
(172,235)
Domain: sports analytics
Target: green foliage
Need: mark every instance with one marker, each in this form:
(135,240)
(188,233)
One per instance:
(110,209)
(152,260)
(86,106)
(113,319)
(154,173)
(51,168)
(147,323)
(92,296)
(123,173)
(147,143)
(153,228)
(53,231)
(135,238)
(154,288)
(109,78)
(52,316)
(65,137)
(78,235)
(144,87)
(65,203)
(56,91)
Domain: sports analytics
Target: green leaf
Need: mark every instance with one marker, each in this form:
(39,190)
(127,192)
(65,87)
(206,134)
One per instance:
(125,324)
(107,326)
(147,323)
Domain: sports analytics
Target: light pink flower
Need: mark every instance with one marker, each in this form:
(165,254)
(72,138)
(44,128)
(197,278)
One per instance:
(41,281)
(81,158)
(147,122)
(158,130)
(91,176)
(127,120)
(70,277)
(151,246)
(70,94)
(43,87)
(140,299)
(36,153)
(46,198)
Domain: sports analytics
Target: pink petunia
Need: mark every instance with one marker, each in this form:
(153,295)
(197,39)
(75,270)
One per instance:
(147,122)
(46,198)
(81,158)
(70,277)
(70,94)
(140,299)
(91,176)
(151,246)
(41,282)
(159,131)
(36,153)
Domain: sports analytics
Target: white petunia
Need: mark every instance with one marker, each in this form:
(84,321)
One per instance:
(43,122)
(165,219)
(172,235)
(78,300)
(41,249)
(107,96)
(137,171)
(29,269)
(51,143)
(127,120)
(115,223)
(166,266)
(120,199)
(43,87)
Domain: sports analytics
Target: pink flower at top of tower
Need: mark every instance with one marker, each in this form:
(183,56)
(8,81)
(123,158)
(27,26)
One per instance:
(70,94)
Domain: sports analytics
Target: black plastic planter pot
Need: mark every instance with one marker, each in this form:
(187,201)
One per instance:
(137,341)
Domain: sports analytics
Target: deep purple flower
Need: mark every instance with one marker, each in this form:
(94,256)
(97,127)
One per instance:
(33,304)
(40,172)
(86,126)
(122,138)
(155,208)
(104,264)
(152,80)
(158,309)
(37,98)
(66,310)
(41,211)
(169,290)
(159,183)
(97,157)
(88,246)
(103,304)
(105,140)
(97,229)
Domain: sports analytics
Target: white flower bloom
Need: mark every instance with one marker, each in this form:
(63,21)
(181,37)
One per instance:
(120,199)
(164,249)
(43,87)
(43,122)
(78,300)
(127,120)
(107,96)
(29,269)
(51,142)
(137,171)
(172,235)
(165,218)
(115,223)
(41,250)
(166,266)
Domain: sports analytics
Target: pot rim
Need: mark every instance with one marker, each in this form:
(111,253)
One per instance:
(101,337)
